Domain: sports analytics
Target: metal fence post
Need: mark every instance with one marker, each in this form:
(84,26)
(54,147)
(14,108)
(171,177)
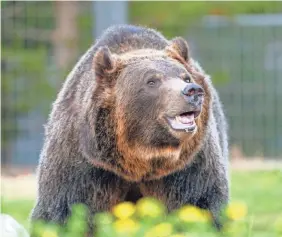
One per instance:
(107,13)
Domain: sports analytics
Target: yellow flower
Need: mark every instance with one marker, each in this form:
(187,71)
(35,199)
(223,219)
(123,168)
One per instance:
(193,214)
(236,211)
(126,226)
(160,230)
(49,233)
(149,207)
(124,210)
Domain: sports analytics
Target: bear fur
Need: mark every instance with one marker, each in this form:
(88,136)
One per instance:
(105,140)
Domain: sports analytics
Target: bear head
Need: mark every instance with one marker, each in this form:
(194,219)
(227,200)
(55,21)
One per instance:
(155,109)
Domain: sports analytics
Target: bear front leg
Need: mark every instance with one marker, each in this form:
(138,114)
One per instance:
(98,189)
(207,189)
(214,200)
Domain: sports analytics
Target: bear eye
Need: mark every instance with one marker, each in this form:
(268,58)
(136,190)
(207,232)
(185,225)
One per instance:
(152,82)
(187,79)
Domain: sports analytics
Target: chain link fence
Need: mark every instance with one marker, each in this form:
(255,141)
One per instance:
(244,56)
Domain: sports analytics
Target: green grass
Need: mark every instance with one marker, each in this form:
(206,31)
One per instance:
(260,190)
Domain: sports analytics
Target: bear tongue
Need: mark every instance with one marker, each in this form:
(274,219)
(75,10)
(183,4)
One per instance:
(186,119)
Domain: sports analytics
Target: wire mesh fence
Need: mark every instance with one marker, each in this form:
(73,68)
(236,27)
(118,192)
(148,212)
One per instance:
(41,41)
(244,56)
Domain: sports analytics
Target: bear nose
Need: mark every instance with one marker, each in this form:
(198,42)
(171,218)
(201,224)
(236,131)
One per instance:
(193,92)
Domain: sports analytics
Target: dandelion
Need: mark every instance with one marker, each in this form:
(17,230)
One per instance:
(161,230)
(193,214)
(126,226)
(124,210)
(149,207)
(49,233)
(236,211)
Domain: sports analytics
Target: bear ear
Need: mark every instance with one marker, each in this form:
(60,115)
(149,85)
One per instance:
(179,47)
(104,63)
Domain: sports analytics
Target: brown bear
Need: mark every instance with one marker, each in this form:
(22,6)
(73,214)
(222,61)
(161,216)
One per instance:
(136,117)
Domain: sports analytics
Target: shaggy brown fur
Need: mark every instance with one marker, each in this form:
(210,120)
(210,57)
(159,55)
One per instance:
(108,138)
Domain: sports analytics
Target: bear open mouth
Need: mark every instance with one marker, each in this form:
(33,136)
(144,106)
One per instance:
(184,121)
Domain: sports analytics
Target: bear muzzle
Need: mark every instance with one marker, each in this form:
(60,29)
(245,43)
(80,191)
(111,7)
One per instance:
(185,120)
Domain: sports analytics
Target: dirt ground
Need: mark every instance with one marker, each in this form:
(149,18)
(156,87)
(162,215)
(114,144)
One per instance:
(18,187)
(19,184)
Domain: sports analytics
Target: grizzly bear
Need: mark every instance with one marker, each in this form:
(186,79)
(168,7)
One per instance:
(136,117)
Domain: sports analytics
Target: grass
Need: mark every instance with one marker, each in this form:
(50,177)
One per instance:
(260,190)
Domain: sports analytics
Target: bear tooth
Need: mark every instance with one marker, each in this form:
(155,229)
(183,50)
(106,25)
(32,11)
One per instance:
(177,119)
